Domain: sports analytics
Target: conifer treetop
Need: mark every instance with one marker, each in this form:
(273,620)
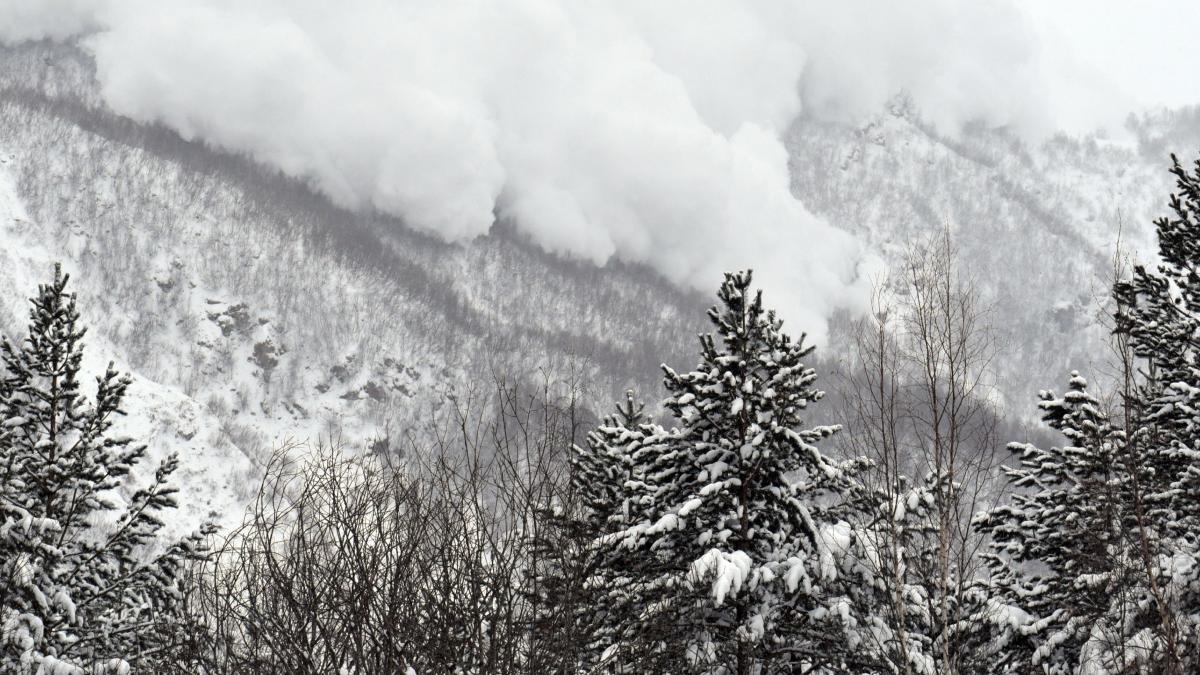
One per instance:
(93,586)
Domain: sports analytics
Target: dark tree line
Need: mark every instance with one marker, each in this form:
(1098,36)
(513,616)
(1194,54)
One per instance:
(734,534)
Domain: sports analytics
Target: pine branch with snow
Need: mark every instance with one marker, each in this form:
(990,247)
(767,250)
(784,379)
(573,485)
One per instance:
(1055,553)
(1159,316)
(87,586)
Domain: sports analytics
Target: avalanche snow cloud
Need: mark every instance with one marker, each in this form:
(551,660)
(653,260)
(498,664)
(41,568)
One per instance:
(649,131)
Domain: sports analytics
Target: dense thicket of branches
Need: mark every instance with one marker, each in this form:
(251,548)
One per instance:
(516,533)
(373,565)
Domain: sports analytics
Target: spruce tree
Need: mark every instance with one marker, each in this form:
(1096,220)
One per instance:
(740,550)
(88,585)
(582,587)
(1055,551)
(1159,315)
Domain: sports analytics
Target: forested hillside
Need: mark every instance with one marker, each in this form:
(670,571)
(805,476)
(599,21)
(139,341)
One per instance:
(210,244)
(280,314)
(243,429)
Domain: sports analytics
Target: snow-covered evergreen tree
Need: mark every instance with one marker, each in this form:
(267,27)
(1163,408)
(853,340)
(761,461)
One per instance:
(894,561)
(607,478)
(87,585)
(1159,314)
(741,549)
(583,586)
(1056,549)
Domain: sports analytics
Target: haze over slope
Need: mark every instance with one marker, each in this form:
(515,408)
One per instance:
(650,132)
(283,314)
(270,312)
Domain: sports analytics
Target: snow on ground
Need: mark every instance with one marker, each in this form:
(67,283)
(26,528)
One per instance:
(213,477)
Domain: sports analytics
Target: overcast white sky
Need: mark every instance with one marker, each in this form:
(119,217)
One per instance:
(1144,53)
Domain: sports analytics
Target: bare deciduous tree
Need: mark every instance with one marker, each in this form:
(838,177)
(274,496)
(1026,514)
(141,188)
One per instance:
(919,404)
(363,563)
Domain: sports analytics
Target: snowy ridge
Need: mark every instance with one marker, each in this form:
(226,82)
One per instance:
(271,316)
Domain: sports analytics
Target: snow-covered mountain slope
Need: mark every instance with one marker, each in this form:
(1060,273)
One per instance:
(1036,228)
(283,317)
(167,420)
(252,311)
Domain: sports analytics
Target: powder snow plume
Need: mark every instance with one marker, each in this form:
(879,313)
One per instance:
(648,131)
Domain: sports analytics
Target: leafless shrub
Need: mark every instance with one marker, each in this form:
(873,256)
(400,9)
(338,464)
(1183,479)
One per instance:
(919,404)
(367,563)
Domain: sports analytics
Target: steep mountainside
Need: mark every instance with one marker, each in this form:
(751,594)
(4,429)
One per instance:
(277,315)
(253,311)
(164,417)
(1037,228)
